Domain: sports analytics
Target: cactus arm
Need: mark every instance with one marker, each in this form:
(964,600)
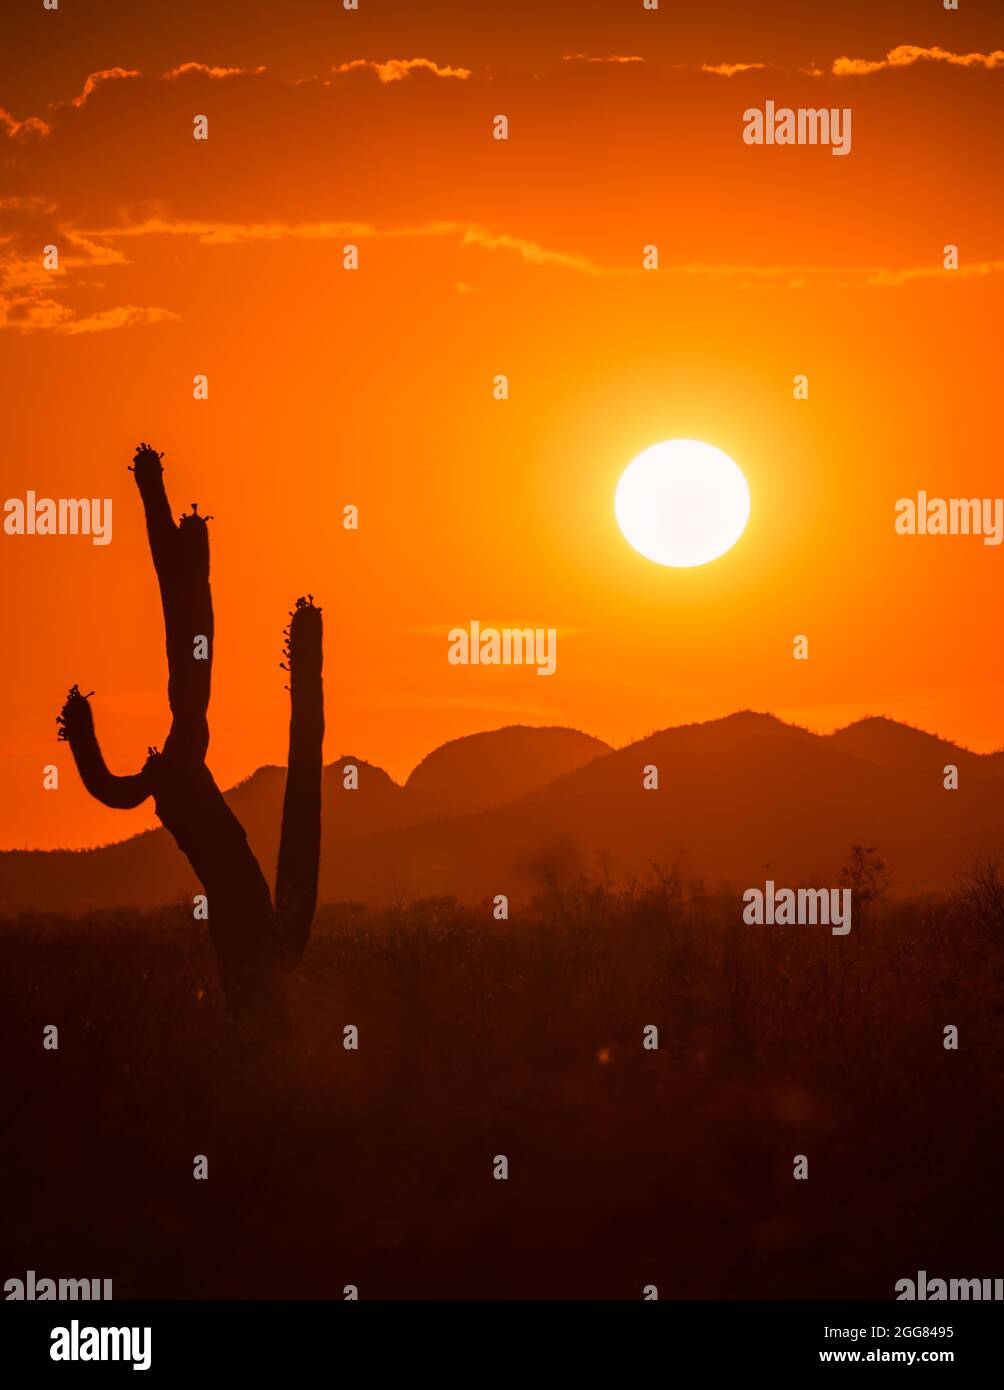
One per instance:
(76,727)
(300,840)
(181,559)
(160,528)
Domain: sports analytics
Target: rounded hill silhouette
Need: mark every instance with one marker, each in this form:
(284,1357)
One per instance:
(484,770)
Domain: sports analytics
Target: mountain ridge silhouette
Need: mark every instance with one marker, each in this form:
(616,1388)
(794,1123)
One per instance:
(519,810)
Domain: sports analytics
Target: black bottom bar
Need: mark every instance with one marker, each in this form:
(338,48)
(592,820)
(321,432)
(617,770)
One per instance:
(475,1340)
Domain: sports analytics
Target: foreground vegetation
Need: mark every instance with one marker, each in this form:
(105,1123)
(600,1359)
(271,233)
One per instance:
(627,1166)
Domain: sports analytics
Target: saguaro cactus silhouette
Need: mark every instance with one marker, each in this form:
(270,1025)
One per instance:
(255,941)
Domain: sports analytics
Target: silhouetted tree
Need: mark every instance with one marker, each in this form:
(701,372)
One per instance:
(865,874)
(255,941)
(981,892)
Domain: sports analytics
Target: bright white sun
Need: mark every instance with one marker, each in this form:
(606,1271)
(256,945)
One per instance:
(682,503)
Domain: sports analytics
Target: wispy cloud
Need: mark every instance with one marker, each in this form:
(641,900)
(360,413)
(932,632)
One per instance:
(396,69)
(975,271)
(30,294)
(124,316)
(204,70)
(41,313)
(730,69)
(233,233)
(905,55)
(393,70)
(18,130)
(529,251)
(615,58)
(800,276)
(95,80)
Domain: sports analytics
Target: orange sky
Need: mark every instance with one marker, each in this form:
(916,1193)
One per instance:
(479,257)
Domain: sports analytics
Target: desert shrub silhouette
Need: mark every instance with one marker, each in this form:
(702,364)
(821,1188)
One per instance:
(255,941)
(373,1166)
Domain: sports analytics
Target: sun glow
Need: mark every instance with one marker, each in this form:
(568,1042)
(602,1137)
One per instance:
(682,503)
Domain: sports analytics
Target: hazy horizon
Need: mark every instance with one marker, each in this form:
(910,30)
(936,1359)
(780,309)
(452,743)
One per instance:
(136,822)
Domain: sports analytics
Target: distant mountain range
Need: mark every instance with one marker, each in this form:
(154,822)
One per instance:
(512,811)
